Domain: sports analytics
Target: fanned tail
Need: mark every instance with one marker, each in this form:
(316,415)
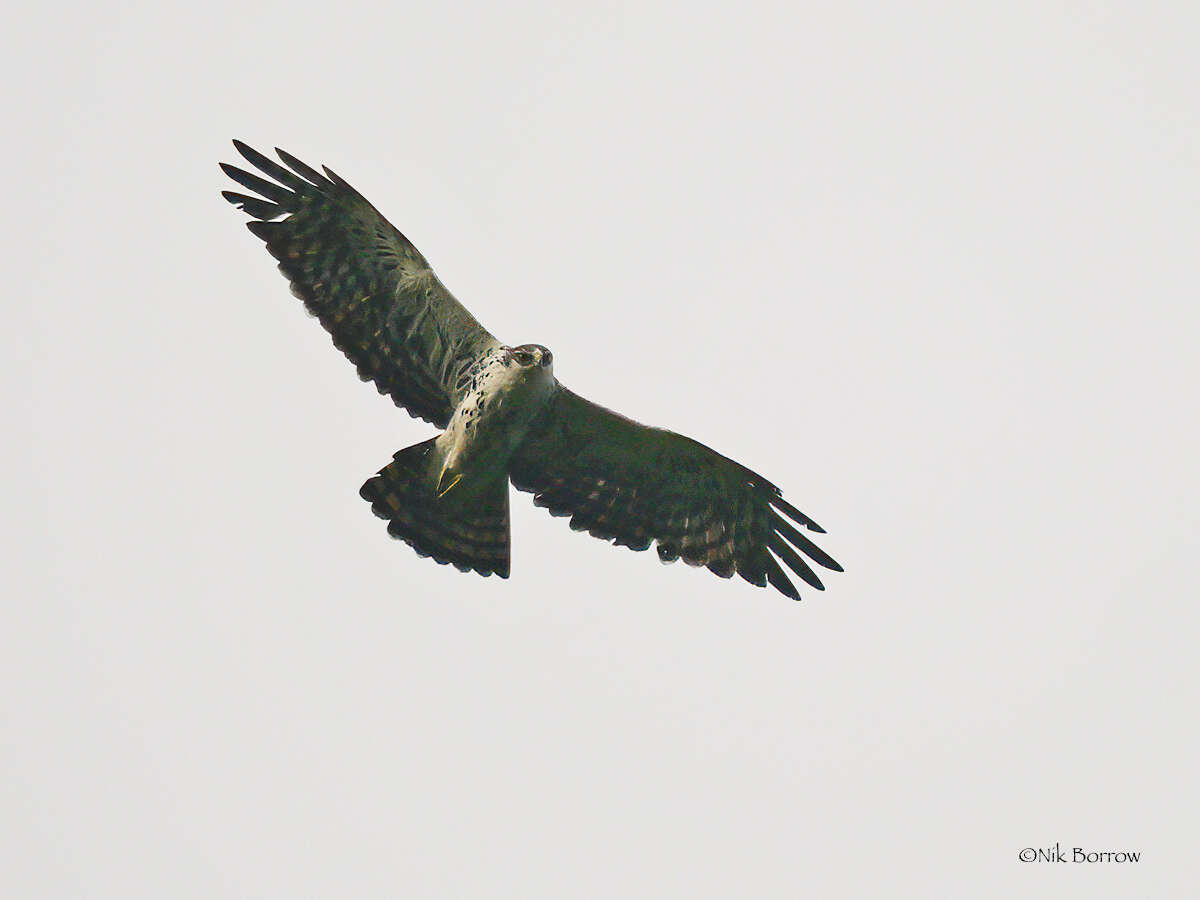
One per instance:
(466,527)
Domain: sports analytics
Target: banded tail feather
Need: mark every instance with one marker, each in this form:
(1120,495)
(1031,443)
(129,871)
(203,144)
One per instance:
(467,527)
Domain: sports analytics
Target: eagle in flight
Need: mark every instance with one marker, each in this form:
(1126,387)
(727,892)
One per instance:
(504,416)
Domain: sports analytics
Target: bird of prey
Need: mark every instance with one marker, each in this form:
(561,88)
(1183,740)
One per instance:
(504,416)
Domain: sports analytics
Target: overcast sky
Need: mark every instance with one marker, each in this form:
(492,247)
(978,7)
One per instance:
(930,267)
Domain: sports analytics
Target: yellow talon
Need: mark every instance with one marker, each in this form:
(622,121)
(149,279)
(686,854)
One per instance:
(442,491)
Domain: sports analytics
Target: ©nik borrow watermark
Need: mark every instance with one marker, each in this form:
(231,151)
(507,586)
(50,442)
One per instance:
(1056,853)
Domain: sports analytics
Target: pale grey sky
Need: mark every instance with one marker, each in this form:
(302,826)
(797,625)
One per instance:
(930,267)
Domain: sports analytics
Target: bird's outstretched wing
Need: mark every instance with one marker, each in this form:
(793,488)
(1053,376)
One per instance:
(621,480)
(369,286)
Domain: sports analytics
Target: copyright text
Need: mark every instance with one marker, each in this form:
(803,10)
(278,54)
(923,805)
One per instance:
(1056,853)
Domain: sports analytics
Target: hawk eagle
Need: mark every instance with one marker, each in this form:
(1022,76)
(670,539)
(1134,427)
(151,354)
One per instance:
(504,415)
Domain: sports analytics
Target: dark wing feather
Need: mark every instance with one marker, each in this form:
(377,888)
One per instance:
(632,484)
(369,286)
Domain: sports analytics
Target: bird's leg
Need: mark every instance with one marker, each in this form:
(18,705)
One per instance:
(447,480)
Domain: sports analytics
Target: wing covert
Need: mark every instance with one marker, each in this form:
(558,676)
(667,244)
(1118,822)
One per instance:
(368,285)
(633,484)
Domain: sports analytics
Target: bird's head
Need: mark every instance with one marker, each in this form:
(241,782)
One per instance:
(529,356)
